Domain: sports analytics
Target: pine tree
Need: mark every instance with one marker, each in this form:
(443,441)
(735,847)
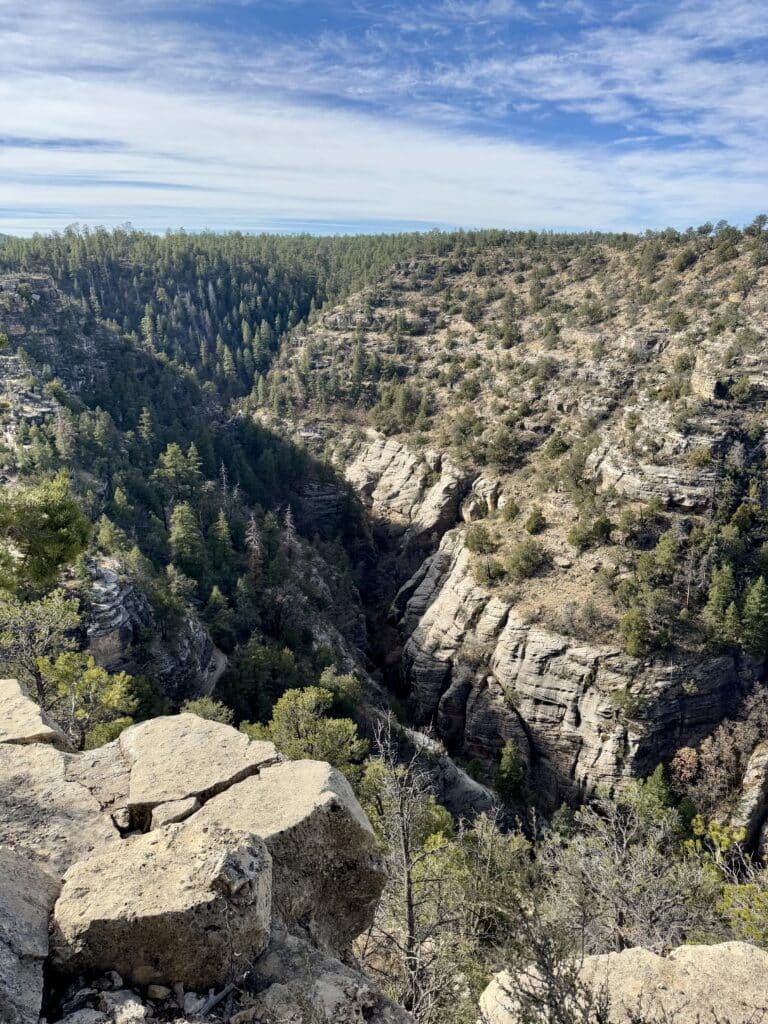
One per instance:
(187,542)
(255,549)
(220,546)
(194,468)
(146,429)
(754,618)
(722,592)
(290,536)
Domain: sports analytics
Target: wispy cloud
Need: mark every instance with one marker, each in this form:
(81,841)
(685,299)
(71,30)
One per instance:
(441,112)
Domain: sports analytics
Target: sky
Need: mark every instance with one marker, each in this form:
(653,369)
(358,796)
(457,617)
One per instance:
(317,115)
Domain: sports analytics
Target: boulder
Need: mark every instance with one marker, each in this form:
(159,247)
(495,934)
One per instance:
(296,982)
(328,872)
(23,721)
(182,756)
(106,776)
(44,814)
(181,904)
(693,985)
(27,895)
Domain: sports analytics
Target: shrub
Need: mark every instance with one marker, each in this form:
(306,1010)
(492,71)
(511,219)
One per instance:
(526,559)
(207,707)
(556,445)
(636,631)
(677,320)
(684,259)
(478,540)
(510,773)
(536,522)
(587,533)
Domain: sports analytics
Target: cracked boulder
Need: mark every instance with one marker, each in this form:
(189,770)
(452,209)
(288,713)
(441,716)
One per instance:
(26,896)
(181,756)
(160,771)
(183,904)
(44,814)
(328,872)
(23,721)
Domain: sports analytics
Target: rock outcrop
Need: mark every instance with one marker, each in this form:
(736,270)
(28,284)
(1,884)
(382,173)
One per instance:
(314,828)
(27,895)
(23,721)
(187,856)
(752,808)
(417,495)
(693,985)
(583,714)
(182,904)
(119,616)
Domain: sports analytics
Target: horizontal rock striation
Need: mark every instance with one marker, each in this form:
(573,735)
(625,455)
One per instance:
(582,714)
(417,496)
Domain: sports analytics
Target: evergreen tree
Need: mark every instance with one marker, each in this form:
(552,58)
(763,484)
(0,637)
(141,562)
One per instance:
(754,618)
(220,549)
(187,542)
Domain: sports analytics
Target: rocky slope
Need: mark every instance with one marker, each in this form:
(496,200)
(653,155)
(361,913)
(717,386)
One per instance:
(181,862)
(614,385)
(693,985)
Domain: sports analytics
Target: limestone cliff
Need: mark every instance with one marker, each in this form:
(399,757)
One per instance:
(583,714)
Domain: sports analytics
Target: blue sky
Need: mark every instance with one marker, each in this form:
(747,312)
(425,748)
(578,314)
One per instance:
(330,116)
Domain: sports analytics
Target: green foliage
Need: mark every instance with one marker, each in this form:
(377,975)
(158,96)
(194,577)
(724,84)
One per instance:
(511,511)
(33,633)
(590,532)
(504,448)
(721,594)
(478,539)
(636,631)
(207,707)
(258,676)
(510,773)
(300,728)
(88,702)
(526,558)
(45,529)
(536,521)
(754,618)
(346,688)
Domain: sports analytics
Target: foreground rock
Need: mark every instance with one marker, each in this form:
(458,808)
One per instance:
(23,721)
(26,897)
(183,846)
(181,904)
(328,873)
(184,756)
(44,814)
(299,983)
(161,771)
(693,985)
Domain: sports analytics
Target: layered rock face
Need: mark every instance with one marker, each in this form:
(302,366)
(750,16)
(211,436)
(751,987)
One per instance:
(693,985)
(417,495)
(582,714)
(176,859)
(119,615)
